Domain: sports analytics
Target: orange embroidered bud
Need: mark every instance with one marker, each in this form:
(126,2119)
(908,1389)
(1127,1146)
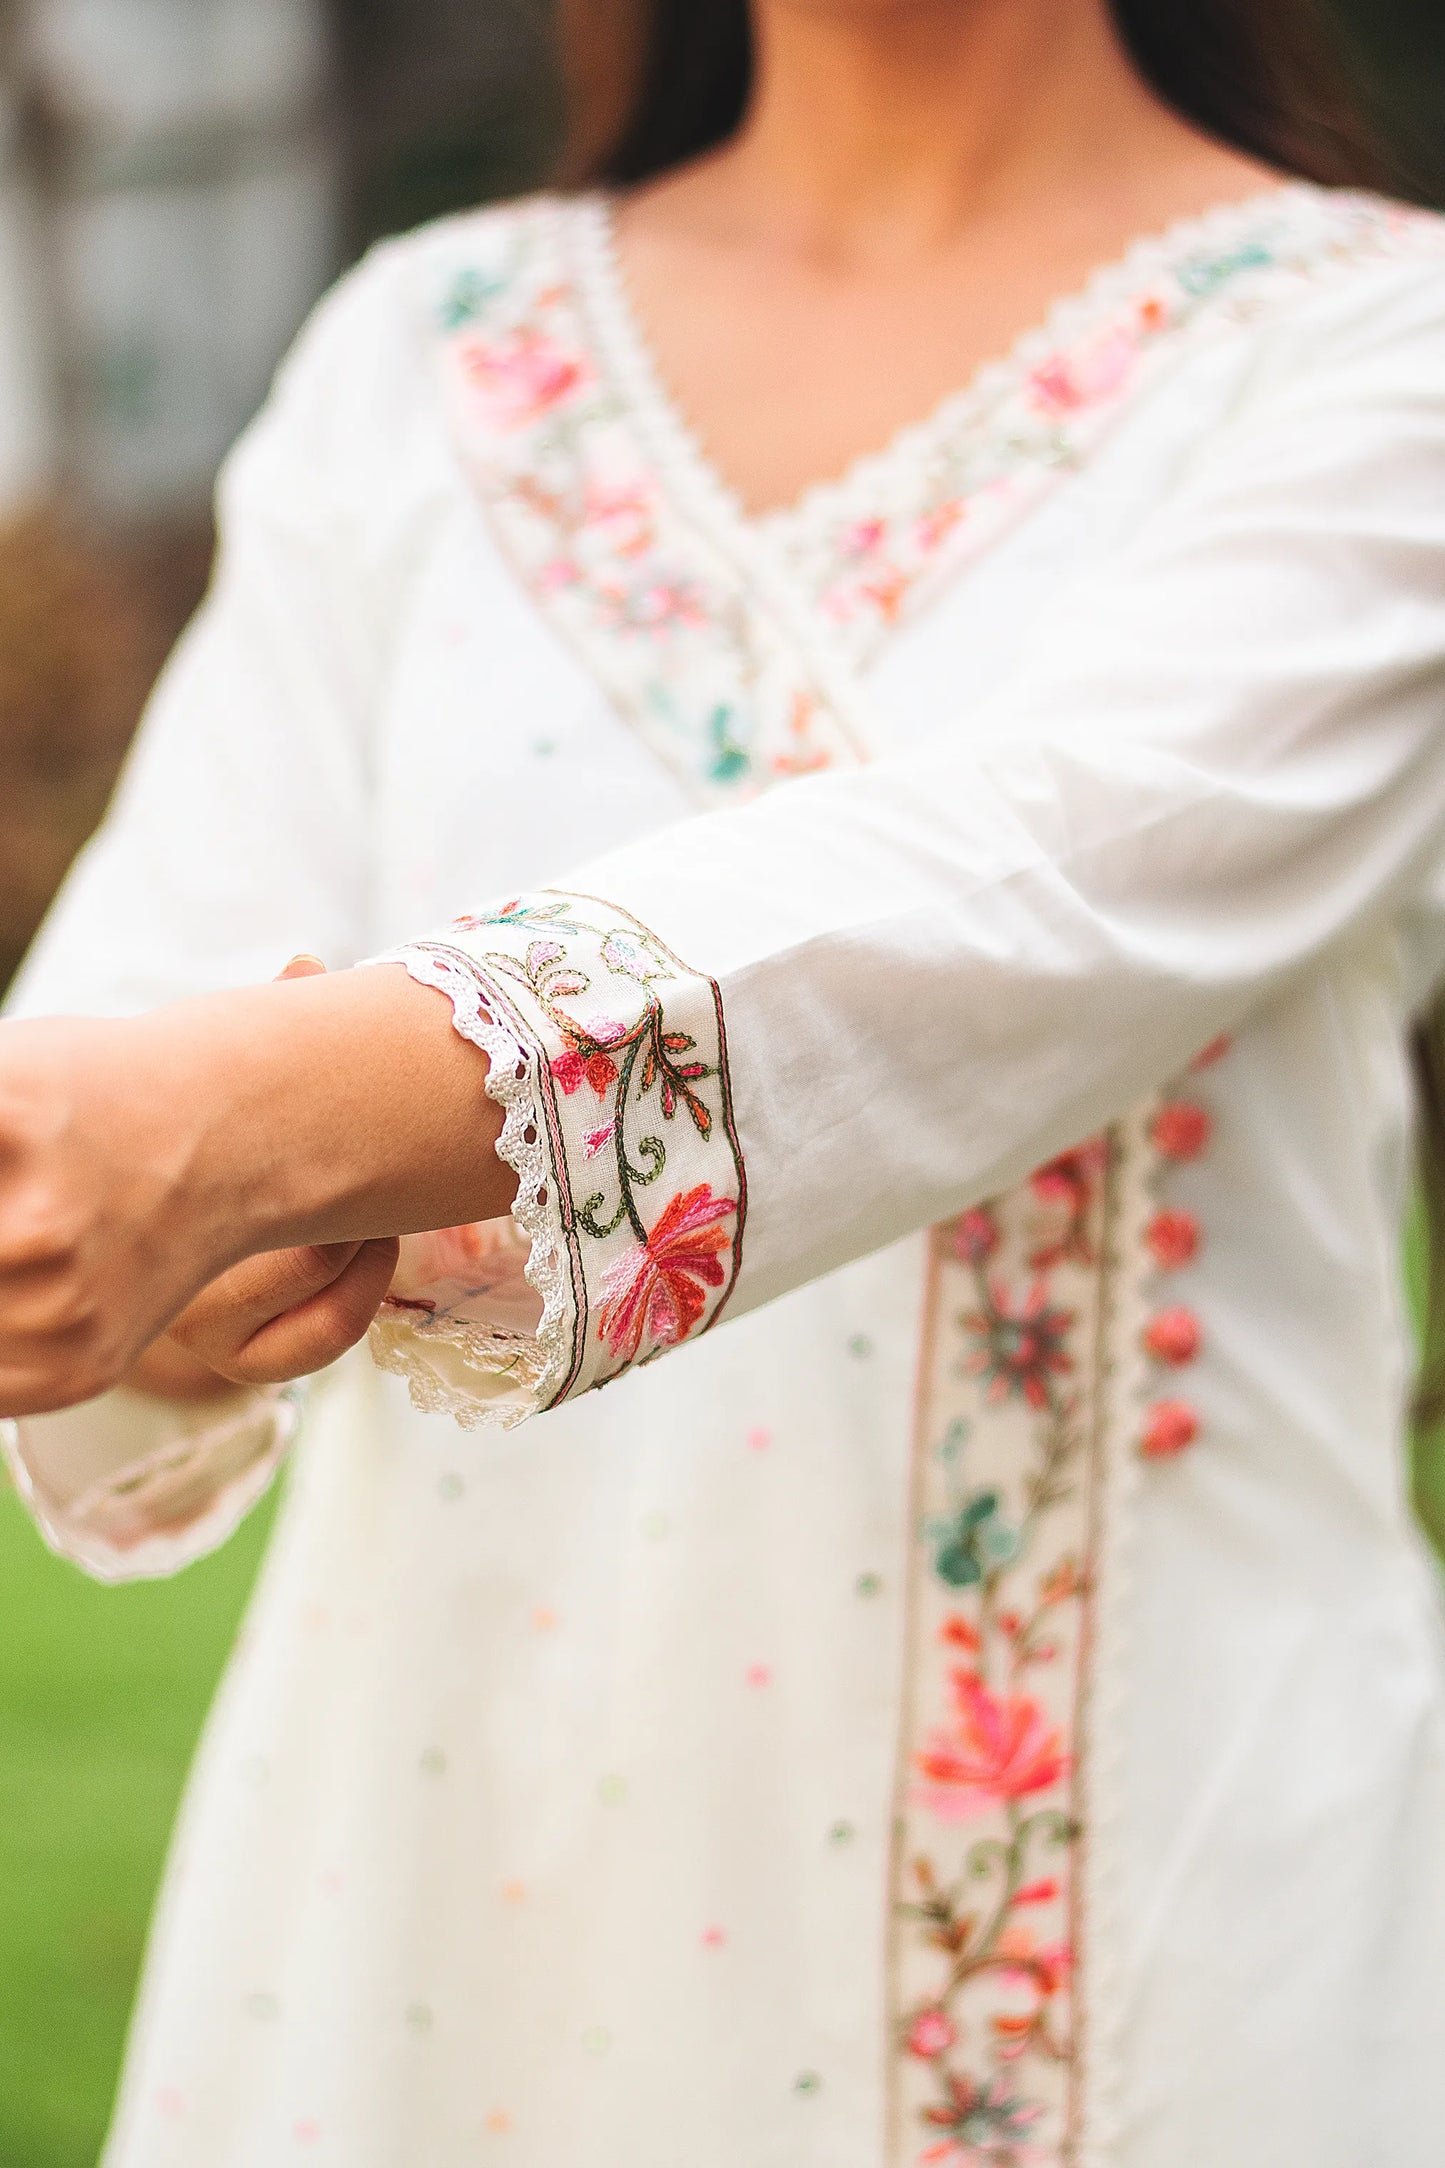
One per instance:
(1172,1239)
(1173,1336)
(1181,1129)
(1169,1427)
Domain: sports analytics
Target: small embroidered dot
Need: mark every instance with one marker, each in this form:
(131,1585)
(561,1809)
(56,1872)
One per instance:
(713,1938)
(655,1526)
(514,1893)
(759,1674)
(612,1791)
(171,2102)
(860,1345)
(759,1439)
(307,2131)
(450,1488)
(499,2123)
(807,2081)
(597,2040)
(544,1618)
(263,2006)
(419,2017)
(842,1833)
(869,1584)
(433,1762)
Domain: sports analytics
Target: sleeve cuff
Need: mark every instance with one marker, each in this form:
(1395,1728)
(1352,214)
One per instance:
(608,1057)
(129,1488)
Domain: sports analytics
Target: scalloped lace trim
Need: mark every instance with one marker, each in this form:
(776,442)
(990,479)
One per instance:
(482,1378)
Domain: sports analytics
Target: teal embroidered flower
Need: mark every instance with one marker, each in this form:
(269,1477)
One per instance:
(975,1544)
(728,760)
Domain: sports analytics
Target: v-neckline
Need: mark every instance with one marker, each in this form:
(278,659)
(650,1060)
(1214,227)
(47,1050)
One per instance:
(630,359)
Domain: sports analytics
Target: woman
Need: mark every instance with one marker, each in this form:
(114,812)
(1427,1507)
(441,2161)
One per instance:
(986,1703)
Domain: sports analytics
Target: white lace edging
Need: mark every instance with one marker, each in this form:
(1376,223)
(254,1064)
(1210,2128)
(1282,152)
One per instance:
(483,1378)
(1126,1385)
(175,1503)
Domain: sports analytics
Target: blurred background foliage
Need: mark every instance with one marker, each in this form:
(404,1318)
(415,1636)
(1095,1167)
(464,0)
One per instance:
(178,181)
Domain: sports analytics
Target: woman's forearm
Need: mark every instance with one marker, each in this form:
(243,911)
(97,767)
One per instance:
(330,1109)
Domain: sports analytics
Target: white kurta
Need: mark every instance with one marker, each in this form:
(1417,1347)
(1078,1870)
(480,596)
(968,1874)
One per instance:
(984,1702)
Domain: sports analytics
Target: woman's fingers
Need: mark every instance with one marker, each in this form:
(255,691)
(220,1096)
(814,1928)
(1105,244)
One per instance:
(289,1312)
(304,966)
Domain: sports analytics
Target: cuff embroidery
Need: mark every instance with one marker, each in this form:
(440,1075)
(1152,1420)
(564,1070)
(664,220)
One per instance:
(608,1057)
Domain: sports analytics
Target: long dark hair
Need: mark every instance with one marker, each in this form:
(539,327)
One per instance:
(661,81)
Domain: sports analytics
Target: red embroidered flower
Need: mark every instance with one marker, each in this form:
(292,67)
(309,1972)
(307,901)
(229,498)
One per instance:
(975,1236)
(574,1069)
(957,1631)
(1172,1239)
(1173,1336)
(1000,1747)
(1018,1351)
(657,1290)
(1069,1179)
(1169,1427)
(931,2033)
(1181,1129)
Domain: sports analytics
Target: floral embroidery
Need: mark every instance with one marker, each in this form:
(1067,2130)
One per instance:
(990,1807)
(694,618)
(610,1057)
(658,1291)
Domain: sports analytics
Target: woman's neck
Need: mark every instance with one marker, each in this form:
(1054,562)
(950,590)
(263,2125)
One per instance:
(883,128)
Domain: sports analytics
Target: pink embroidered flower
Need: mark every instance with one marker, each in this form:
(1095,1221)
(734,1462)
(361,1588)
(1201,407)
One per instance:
(1000,1747)
(626,517)
(1173,1336)
(931,2033)
(862,538)
(523,379)
(1172,1239)
(657,1291)
(975,1236)
(1066,382)
(1169,1427)
(595,1139)
(1181,1130)
(573,1069)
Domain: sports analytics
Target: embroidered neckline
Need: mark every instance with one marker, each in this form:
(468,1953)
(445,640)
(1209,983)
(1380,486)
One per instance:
(632,362)
(852,553)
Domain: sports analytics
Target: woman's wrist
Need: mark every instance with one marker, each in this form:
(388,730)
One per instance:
(329,1109)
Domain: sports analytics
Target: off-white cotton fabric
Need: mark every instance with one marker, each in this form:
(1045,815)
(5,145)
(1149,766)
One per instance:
(545,1812)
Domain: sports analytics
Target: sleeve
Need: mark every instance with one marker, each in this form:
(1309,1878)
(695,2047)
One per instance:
(240,833)
(906,985)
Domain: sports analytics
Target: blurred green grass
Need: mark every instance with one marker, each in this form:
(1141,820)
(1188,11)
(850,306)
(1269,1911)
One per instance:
(102,1694)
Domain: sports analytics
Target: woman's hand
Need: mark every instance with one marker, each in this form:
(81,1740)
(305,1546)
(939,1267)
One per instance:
(141,1159)
(288,1313)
